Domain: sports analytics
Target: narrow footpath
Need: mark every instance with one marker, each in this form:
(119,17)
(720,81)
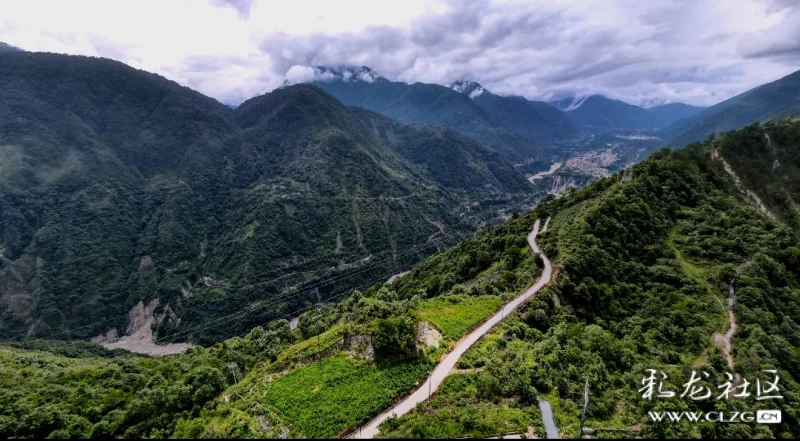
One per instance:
(443,369)
(724,341)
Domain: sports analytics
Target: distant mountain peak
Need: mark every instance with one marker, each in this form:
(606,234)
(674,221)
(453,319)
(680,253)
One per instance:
(576,102)
(469,88)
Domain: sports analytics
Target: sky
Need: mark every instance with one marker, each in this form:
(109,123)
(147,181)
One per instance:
(649,52)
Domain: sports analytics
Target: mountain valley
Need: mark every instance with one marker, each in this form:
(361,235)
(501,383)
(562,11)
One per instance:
(360,257)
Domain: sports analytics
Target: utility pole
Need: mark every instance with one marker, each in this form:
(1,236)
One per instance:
(585,405)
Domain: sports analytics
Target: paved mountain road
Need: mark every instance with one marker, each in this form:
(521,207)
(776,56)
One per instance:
(443,369)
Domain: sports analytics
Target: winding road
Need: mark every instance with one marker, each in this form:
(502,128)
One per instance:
(547,418)
(446,365)
(540,175)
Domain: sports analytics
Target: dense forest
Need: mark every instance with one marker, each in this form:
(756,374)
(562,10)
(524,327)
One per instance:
(644,261)
(360,354)
(121,191)
(645,266)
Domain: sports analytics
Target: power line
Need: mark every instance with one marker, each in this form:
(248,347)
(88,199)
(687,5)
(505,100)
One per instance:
(284,296)
(528,197)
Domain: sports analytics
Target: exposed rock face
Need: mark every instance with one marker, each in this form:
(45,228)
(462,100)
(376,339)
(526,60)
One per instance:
(360,346)
(749,196)
(139,336)
(428,335)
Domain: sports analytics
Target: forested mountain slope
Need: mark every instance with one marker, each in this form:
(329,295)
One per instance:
(646,263)
(644,259)
(342,364)
(536,120)
(421,103)
(772,101)
(667,114)
(766,159)
(598,114)
(120,187)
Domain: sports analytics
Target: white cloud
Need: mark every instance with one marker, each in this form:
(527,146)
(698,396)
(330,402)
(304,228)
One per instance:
(699,51)
(306,74)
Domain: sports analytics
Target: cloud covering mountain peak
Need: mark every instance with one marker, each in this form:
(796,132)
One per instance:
(698,52)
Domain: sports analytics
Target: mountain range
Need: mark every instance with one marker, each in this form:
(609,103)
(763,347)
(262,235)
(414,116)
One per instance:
(597,114)
(484,120)
(317,260)
(118,186)
(536,120)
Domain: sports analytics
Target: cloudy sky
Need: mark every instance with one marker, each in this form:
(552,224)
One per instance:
(644,52)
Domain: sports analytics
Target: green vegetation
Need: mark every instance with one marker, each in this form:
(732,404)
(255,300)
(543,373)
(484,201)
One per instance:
(455,315)
(338,393)
(106,219)
(343,364)
(766,160)
(119,187)
(330,383)
(643,273)
(59,389)
(465,406)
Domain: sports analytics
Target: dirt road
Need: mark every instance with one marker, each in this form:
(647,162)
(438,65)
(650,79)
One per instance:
(443,369)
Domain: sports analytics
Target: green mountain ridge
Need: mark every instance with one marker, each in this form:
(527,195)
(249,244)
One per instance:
(777,100)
